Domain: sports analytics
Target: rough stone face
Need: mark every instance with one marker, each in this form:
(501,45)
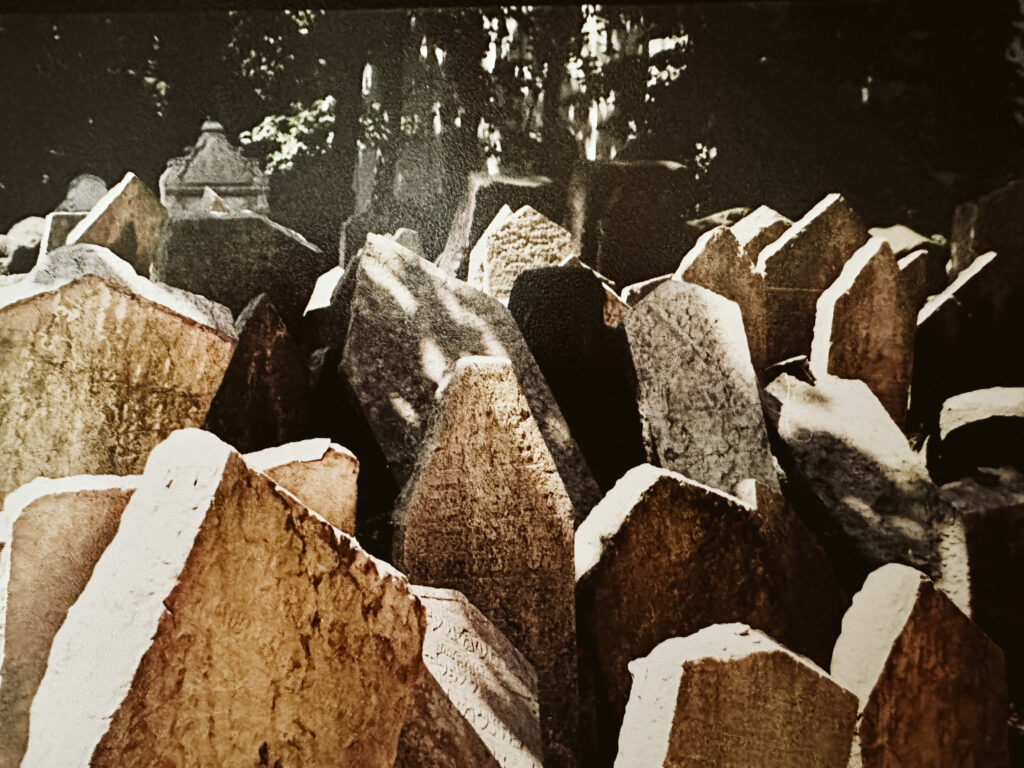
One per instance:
(476,704)
(914,278)
(263,399)
(234,257)
(486,513)
(587,364)
(213,162)
(637,292)
(84,191)
(865,326)
(759,229)
(698,394)
(728,696)
(857,484)
(52,532)
(984,428)
(23,240)
(98,365)
(210,630)
(409,238)
(319,473)
(407,326)
(905,241)
(991,223)
(129,220)
(931,685)
(58,227)
(799,266)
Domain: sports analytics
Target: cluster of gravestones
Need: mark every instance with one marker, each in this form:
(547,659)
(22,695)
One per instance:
(766,508)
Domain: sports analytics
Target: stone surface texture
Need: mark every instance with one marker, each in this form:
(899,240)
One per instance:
(983,428)
(23,244)
(84,191)
(759,229)
(58,226)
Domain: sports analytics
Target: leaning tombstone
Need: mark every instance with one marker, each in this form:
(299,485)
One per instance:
(57,228)
(759,229)
(984,428)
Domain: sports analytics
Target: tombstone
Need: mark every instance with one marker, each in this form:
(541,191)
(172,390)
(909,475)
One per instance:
(991,502)
(52,532)
(193,644)
(234,257)
(521,240)
(637,292)
(759,229)
(320,474)
(318,318)
(864,328)
(799,266)
(406,326)
(723,218)
(905,241)
(128,220)
(913,278)
(409,238)
(57,228)
(216,164)
(485,195)
(967,337)
(23,240)
(560,311)
(698,395)
(984,428)
(990,223)
(99,365)
(730,695)
(214,203)
(476,704)
(84,191)
(858,486)
(263,399)
(486,513)
(931,686)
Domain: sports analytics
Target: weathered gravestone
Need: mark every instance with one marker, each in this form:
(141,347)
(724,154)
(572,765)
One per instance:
(990,223)
(320,474)
(406,326)
(129,220)
(52,532)
(57,228)
(224,623)
(864,328)
(84,191)
(984,428)
(698,394)
(263,399)
(517,241)
(729,695)
(799,266)
(409,238)
(486,513)
(213,162)
(476,703)
(234,257)
(934,253)
(560,311)
(759,229)
(913,278)
(931,685)
(663,556)
(98,365)
(637,292)
(23,243)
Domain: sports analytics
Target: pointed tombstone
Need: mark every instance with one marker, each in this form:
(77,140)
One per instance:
(476,703)
(934,253)
(486,513)
(210,632)
(759,229)
(914,279)
(57,228)
(214,203)
(730,695)
(699,397)
(129,220)
(320,474)
(263,399)
(404,325)
(864,328)
(52,532)
(98,365)
(931,685)
(799,266)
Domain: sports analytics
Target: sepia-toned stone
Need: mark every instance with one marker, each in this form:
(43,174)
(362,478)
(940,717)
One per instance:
(210,630)
(931,685)
(52,532)
(409,238)
(129,220)
(759,229)
(637,292)
(486,513)
(729,695)
(98,365)
(319,473)
(476,703)
(698,394)
(984,428)
(913,278)
(934,252)
(57,228)
(990,223)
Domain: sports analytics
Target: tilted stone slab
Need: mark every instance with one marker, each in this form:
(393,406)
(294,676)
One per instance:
(98,365)
(865,327)
(407,325)
(759,229)
(319,473)
(984,428)
(935,252)
(52,532)
(486,513)
(225,623)
(476,704)
(730,695)
(990,223)
(129,220)
(699,397)
(914,278)
(57,228)
(637,292)
(931,685)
